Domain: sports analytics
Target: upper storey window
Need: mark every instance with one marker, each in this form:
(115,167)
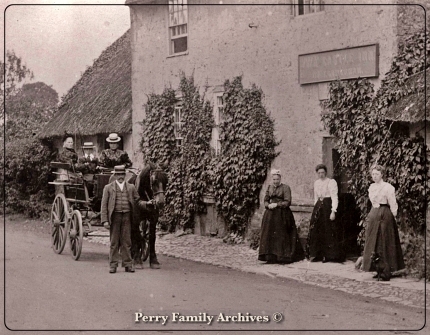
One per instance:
(178,26)
(303,7)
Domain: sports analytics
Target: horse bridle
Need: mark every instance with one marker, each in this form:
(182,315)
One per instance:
(151,183)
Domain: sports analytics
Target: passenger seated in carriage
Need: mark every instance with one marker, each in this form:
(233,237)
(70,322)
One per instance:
(88,166)
(113,156)
(67,155)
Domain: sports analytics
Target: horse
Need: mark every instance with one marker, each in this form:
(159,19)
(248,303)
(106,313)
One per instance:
(151,184)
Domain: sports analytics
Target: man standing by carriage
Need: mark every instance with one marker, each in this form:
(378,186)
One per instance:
(118,204)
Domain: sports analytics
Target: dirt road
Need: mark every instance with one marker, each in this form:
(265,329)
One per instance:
(46,291)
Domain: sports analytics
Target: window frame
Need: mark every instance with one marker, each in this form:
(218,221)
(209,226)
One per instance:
(308,7)
(171,38)
(218,118)
(178,123)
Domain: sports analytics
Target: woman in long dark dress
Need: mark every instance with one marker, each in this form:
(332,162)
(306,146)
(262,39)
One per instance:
(324,232)
(382,247)
(279,241)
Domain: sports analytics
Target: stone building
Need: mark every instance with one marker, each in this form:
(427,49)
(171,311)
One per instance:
(291,49)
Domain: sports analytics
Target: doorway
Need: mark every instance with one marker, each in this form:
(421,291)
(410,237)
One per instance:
(347,213)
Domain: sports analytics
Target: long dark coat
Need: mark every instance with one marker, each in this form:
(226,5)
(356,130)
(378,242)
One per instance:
(279,240)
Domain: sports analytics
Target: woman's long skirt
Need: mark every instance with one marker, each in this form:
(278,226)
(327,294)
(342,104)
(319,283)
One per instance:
(279,240)
(324,239)
(382,240)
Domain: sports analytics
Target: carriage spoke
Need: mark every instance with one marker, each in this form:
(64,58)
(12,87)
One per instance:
(56,240)
(59,238)
(60,235)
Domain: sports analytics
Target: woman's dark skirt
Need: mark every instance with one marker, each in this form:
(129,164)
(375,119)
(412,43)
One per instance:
(382,239)
(325,235)
(279,241)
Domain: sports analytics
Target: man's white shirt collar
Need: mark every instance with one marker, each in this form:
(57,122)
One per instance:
(121,185)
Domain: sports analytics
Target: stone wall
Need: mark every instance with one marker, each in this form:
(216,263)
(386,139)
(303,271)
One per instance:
(222,45)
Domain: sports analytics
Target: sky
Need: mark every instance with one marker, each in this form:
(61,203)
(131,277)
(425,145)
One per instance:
(60,39)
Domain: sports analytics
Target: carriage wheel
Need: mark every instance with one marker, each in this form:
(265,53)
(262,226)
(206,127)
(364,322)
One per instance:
(76,234)
(59,223)
(145,240)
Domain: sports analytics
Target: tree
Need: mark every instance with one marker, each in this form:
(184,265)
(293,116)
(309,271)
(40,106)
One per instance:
(29,109)
(28,106)
(15,73)
(26,159)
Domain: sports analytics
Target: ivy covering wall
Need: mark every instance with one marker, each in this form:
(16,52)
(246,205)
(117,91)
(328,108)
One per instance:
(188,175)
(248,149)
(234,177)
(355,116)
(158,139)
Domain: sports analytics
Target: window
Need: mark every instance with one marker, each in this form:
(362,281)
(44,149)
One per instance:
(303,7)
(219,117)
(178,26)
(178,123)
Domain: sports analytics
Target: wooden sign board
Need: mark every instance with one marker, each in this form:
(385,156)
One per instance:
(357,62)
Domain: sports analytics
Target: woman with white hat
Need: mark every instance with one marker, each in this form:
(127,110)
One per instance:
(279,242)
(113,156)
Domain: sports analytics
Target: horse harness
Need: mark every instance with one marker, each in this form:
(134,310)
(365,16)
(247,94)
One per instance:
(151,181)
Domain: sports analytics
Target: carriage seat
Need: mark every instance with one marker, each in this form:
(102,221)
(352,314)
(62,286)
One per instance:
(60,165)
(64,174)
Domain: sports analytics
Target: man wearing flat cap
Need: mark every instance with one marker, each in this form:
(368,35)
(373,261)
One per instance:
(114,156)
(118,203)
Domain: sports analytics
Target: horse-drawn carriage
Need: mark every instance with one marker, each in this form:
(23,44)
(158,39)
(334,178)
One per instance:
(76,207)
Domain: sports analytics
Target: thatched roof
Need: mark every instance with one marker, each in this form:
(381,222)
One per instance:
(412,107)
(100,102)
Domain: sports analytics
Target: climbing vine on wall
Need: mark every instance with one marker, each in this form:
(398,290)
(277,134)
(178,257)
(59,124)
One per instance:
(364,137)
(158,139)
(355,116)
(235,177)
(248,149)
(188,176)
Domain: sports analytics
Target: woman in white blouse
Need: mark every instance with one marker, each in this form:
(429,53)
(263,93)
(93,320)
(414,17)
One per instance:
(324,233)
(382,237)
